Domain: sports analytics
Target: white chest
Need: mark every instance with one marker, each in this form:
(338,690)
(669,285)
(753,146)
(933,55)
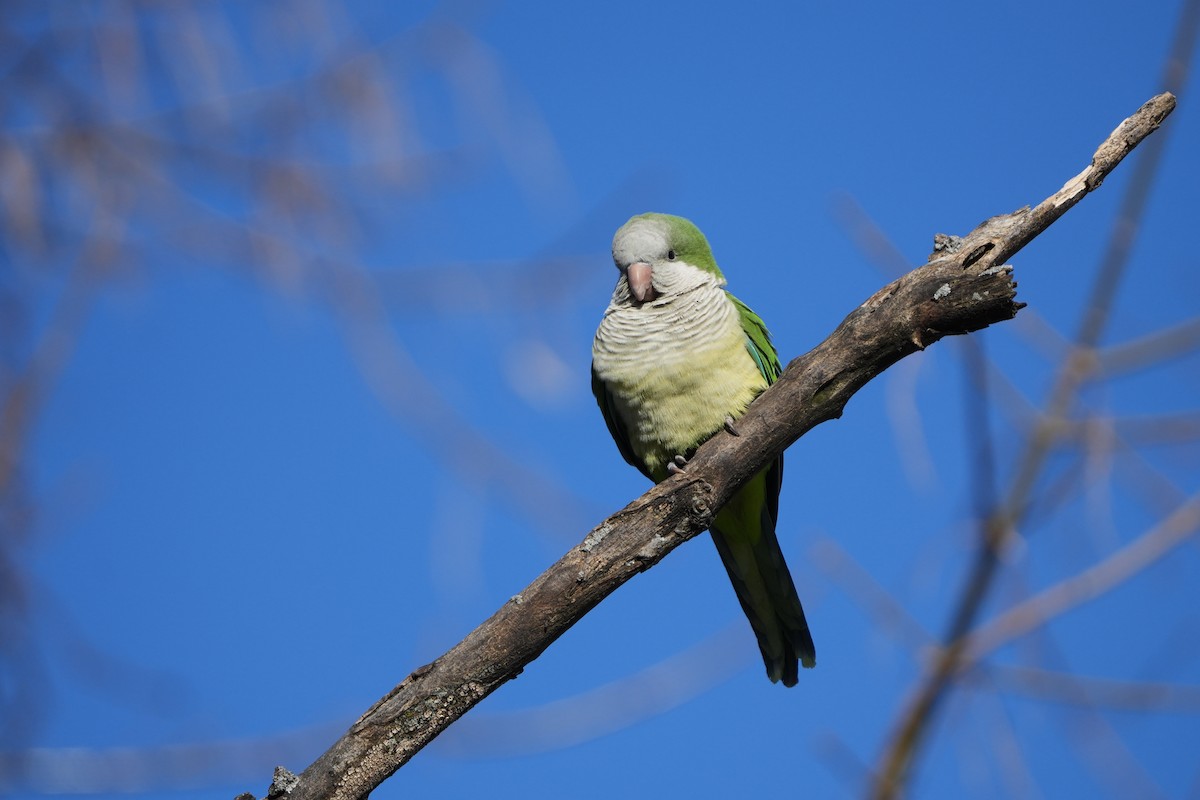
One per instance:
(675,371)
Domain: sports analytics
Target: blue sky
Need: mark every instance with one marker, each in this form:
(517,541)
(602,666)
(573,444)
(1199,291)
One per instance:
(302,441)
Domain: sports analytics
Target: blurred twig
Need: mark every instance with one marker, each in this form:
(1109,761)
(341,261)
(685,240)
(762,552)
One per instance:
(1150,350)
(839,566)
(604,709)
(154,769)
(1090,690)
(1085,586)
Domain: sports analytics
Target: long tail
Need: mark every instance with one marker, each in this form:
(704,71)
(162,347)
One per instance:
(744,533)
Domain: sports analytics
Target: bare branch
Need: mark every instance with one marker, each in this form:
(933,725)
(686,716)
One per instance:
(964,287)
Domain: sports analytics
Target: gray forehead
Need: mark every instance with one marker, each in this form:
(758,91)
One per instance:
(639,240)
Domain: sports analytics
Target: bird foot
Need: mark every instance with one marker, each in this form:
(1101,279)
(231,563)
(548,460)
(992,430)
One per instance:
(676,465)
(730,427)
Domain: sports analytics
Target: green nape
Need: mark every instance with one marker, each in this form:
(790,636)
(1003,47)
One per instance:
(688,242)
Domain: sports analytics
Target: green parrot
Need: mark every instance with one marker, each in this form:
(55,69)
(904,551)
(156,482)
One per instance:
(675,359)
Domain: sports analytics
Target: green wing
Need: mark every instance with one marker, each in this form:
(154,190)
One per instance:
(758,341)
(758,344)
(615,426)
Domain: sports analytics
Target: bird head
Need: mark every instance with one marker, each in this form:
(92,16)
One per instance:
(662,255)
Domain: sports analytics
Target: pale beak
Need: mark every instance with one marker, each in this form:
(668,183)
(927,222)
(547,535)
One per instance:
(638,274)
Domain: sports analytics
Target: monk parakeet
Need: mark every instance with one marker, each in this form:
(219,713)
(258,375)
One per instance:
(675,359)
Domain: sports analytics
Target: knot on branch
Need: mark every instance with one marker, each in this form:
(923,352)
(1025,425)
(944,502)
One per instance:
(701,511)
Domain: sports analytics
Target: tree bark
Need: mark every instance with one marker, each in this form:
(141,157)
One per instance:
(965,286)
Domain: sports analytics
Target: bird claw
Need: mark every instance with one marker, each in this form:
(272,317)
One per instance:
(730,427)
(676,465)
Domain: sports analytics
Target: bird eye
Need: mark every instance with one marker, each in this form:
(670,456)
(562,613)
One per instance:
(670,255)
